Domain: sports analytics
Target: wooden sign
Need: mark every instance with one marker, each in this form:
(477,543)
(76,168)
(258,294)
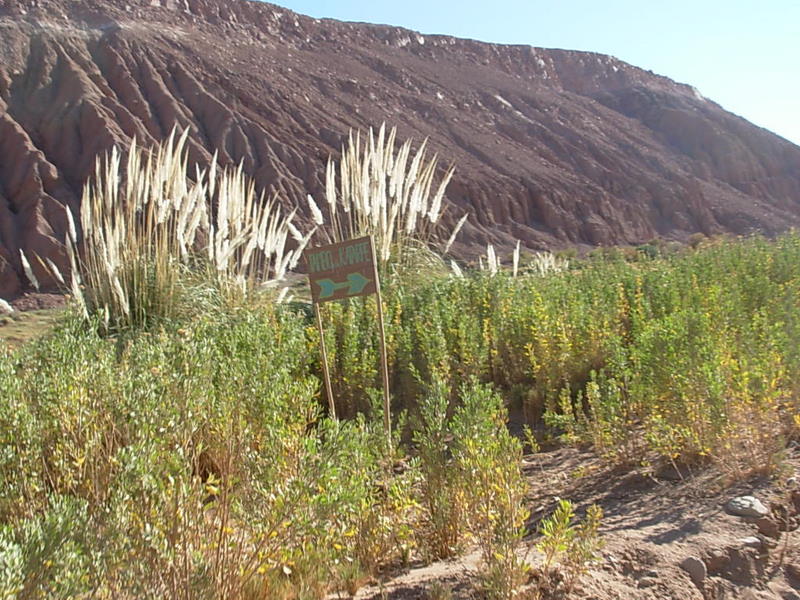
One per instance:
(343,270)
(347,270)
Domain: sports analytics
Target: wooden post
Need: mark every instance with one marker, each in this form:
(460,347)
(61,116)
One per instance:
(387,408)
(326,373)
(346,270)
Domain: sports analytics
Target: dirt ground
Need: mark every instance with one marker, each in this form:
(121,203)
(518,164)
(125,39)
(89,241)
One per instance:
(34,315)
(652,523)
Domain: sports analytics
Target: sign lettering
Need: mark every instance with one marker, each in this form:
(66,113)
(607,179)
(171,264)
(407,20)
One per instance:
(343,270)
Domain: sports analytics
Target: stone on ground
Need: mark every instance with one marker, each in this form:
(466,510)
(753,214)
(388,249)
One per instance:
(747,506)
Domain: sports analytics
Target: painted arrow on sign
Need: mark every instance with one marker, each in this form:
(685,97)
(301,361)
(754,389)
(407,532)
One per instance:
(354,284)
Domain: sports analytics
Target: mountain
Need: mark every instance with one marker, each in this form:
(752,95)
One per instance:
(552,147)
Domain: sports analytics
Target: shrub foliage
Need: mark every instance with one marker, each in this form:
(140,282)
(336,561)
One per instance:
(176,447)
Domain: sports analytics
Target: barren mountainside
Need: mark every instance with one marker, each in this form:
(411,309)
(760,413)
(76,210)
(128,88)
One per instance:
(552,147)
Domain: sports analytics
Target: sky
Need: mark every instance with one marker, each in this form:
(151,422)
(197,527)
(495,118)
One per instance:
(744,55)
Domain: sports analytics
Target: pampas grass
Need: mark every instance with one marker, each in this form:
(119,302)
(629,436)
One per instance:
(151,231)
(543,263)
(26,267)
(390,194)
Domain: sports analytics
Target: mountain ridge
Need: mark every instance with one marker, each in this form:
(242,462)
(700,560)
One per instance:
(553,147)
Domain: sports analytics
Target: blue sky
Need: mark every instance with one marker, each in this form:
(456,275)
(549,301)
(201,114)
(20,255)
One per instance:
(745,55)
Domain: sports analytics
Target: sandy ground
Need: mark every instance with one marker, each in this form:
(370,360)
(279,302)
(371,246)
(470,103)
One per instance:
(34,315)
(651,525)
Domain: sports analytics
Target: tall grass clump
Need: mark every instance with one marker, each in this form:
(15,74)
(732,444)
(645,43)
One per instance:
(389,193)
(392,194)
(157,237)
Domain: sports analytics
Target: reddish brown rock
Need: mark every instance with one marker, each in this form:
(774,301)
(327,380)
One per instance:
(552,147)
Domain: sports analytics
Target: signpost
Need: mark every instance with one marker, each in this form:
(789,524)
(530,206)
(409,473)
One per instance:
(347,270)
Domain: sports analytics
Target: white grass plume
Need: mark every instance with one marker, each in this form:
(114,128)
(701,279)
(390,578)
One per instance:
(492,262)
(387,192)
(543,263)
(26,267)
(149,222)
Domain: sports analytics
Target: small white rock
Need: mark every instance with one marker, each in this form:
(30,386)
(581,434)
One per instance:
(6,308)
(751,542)
(747,506)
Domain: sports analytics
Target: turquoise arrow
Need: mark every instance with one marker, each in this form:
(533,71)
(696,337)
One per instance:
(354,284)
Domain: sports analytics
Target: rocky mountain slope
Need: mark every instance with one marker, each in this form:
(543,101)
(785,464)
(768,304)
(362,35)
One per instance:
(552,147)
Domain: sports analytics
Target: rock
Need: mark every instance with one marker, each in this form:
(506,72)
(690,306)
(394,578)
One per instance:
(793,571)
(767,543)
(751,542)
(610,564)
(6,308)
(782,590)
(646,582)
(696,569)
(746,566)
(755,594)
(716,561)
(768,527)
(747,506)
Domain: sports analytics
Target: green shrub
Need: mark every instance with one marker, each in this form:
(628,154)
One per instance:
(570,545)
(472,483)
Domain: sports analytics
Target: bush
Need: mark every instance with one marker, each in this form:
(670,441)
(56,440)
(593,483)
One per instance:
(568,544)
(472,483)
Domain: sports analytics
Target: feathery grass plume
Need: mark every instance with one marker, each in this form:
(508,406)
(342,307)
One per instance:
(515,261)
(492,262)
(72,232)
(150,231)
(454,234)
(543,263)
(50,266)
(315,211)
(388,193)
(26,267)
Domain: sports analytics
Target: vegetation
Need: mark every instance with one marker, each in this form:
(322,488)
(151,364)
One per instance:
(389,194)
(167,438)
(154,242)
(687,356)
(174,464)
(570,545)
